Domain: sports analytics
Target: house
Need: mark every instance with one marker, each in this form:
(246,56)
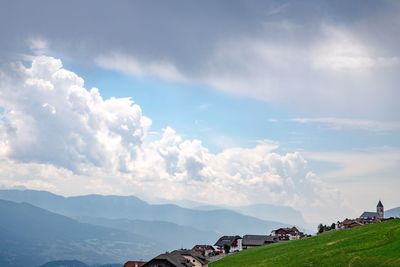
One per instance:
(205,250)
(234,243)
(379,214)
(134,264)
(178,258)
(287,233)
(250,241)
(349,223)
(169,260)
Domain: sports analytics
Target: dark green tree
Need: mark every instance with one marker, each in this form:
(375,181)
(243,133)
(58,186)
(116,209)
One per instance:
(227,248)
(320,228)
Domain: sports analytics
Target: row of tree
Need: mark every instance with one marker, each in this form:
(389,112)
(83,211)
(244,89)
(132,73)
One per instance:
(324,228)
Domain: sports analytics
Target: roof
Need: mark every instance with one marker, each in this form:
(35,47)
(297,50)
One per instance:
(348,222)
(257,240)
(380,205)
(369,214)
(287,230)
(203,247)
(176,260)
(194,254)
(226,240)
(294,228)
(134,263)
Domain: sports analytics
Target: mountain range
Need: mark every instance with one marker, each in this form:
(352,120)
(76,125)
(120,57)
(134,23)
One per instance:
(39,226)
(31,236)
(221,221)
(266,212)
(395,212)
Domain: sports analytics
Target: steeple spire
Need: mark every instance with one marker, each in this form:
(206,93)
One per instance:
(380,210)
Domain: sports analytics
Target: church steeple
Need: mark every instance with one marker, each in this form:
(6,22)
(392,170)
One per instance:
(380,210)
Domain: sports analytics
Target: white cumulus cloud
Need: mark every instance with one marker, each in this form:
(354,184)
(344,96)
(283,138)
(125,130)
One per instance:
(59,136)
(49,117)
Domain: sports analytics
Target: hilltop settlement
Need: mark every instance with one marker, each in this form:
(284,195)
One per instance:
(200,255)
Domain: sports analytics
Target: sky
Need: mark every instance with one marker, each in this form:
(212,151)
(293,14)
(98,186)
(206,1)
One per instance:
(222,102)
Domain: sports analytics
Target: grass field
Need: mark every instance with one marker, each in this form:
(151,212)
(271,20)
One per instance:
(370,245)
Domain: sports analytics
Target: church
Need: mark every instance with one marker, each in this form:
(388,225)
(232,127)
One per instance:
(367,217)
(379,214)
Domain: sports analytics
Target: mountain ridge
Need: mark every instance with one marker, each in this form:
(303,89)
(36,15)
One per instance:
(121,207)
(393,212)
(34,235)
(262,211)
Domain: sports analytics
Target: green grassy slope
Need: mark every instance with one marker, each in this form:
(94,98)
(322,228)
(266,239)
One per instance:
(370,245)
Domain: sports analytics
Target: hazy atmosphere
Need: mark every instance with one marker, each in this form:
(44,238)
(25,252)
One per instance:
(222,103)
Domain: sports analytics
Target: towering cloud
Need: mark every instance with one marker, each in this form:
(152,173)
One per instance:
(51,126)
(49,117)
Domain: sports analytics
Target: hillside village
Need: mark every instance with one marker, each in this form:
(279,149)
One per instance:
(367,217)
(200,255)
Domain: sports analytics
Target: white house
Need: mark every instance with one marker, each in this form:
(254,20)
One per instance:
(234,242)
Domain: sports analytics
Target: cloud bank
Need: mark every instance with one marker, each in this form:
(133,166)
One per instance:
(57,135)
(317,57)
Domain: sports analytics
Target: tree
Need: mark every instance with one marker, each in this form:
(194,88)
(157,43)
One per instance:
(320,228)
(227,248)
(333,226)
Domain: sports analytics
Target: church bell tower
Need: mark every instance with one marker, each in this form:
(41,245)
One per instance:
(380,210)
